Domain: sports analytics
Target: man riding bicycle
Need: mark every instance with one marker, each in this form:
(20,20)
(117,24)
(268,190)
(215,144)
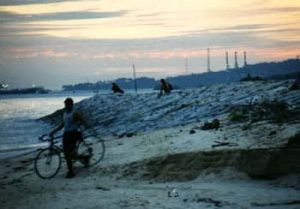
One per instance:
(71,123)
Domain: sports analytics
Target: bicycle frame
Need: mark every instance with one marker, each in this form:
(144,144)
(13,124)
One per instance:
(85,152)
(52,142)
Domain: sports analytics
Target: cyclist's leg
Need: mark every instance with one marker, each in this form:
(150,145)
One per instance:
(83,153)
(95,148)
(69,146)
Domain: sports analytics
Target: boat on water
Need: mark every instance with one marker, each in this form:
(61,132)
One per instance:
(32,90)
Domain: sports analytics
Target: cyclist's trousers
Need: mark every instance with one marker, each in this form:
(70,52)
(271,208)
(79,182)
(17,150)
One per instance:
(70,140)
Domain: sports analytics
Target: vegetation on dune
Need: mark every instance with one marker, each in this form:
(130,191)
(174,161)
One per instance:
(275,111)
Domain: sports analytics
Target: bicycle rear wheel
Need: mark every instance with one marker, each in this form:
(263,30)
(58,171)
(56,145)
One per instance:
(93,147)
(47,163)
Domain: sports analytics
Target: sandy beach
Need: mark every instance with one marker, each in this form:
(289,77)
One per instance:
(120,181)
(173,163)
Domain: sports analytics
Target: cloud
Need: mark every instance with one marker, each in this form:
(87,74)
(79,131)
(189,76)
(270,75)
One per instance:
(271,10)
(141,49)
(244,35)
(15,38)
(154,14)
(251,26)
(6,17)
(26,2)
(237,28)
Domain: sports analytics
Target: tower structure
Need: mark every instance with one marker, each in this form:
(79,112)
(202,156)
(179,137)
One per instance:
(134,77)
(245,59)
(236,65)
(227,61)
(208,60)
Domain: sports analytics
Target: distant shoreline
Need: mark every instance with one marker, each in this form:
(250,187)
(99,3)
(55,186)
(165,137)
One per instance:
(70,93)
(19,151)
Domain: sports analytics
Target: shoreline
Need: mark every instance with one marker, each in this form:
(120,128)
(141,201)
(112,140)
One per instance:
(18,152)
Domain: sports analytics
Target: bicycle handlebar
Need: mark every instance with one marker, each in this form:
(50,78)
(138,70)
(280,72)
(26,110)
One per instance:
(46,137)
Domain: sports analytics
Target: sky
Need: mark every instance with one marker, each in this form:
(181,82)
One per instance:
(54,42)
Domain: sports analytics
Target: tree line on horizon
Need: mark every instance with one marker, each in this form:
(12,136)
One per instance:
(288,69)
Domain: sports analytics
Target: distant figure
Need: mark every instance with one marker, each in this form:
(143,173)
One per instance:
(71,122)
(165,87)
(116,89)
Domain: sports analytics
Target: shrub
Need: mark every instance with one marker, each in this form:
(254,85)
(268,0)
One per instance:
(277,111)
(238,114)
(294,86)
(252,78)
(294,140)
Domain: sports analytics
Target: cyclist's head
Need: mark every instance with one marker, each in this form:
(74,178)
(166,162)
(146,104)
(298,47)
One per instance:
(69,104)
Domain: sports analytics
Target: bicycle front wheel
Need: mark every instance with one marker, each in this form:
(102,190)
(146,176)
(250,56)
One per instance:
(47,163)
(93,147)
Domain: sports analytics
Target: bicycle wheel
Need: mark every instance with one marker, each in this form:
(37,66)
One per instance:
(92,147)
(47,163)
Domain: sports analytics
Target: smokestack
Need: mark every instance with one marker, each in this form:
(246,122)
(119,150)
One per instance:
(227,61)
(208,60)
(236,65)
(245,59)
(134,77)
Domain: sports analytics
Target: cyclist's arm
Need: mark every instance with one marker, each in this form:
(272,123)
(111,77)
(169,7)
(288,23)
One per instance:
(81,119)
(58,128)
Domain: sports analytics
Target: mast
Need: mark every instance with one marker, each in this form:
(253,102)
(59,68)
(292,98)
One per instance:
(227,61)
(236,65)
(245,59)
(134,78)
(208,60)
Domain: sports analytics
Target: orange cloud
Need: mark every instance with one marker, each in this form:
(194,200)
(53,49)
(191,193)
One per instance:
(266,53)
(35,53)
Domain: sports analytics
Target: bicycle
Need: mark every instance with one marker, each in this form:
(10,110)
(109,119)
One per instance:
(47,163)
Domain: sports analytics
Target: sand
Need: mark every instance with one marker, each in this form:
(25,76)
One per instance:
(120,182)
(157,155)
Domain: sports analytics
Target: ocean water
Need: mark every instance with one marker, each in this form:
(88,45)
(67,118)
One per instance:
(19,127)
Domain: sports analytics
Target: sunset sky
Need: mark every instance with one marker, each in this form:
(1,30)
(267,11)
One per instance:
(55,42)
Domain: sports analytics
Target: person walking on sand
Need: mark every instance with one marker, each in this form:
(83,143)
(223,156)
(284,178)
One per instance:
(165,87)
(72,134)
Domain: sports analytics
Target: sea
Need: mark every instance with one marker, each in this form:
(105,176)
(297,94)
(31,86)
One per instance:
(20,126)
(19,114)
